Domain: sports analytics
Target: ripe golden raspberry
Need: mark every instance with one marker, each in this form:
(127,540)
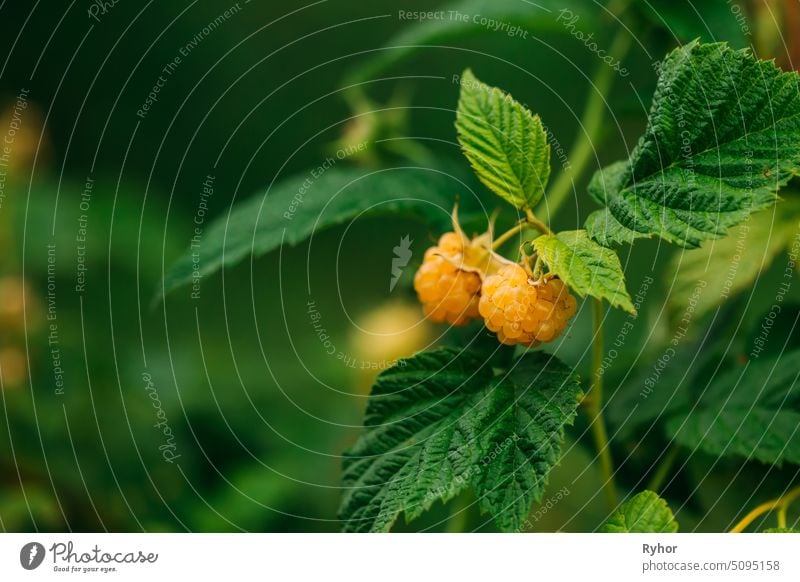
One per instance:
(524,312)
(446,291)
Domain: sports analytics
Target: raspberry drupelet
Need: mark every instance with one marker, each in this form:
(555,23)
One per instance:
(447,292)
(520,311)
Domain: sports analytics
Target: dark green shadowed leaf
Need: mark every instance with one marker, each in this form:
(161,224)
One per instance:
(505,144)
(520,19)
(294,209)
(751,413)
(645,512)
(723,136)
(442,421)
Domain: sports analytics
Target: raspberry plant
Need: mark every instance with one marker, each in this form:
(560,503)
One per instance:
(722,138)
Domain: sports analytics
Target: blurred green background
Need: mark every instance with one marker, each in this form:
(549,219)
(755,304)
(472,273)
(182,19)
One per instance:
(256,407)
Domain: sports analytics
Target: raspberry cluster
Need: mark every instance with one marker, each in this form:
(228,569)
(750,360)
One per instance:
(459,282)
(446,290)
(524,312)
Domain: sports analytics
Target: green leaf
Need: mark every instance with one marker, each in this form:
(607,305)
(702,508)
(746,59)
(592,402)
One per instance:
(723,136)
(585,266)
(645,512)
(442,421)
(292,210)
(751,412)
(468,18)
(781,530)
(513,473)
(732,264)
(711,21)
(607,230)
(654,391)
(505,144)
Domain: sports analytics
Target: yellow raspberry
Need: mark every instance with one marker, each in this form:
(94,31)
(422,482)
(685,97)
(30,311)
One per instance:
(447,292)
(521,311)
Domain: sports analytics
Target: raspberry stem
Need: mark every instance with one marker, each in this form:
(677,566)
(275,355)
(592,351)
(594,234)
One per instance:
(529,220)
(594,408)
(459,514)
(585,148)
(503,238)
(537,268)
(664,469)
(781,516)
(536,223)
(781,504)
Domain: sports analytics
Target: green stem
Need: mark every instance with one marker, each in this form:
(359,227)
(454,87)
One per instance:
(457,521)
(536,223)
(663,470)
(500,240)
(781,515)
(781,503)
(530,220)
(594,409)
(591,124)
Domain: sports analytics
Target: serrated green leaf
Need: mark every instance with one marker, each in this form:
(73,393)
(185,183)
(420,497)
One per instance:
(732,264)
(723,136)
(645,512)
(607,230)
(440,422)
(751,412)
(585,266)
(292,210)
(505,144)
(538,403)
